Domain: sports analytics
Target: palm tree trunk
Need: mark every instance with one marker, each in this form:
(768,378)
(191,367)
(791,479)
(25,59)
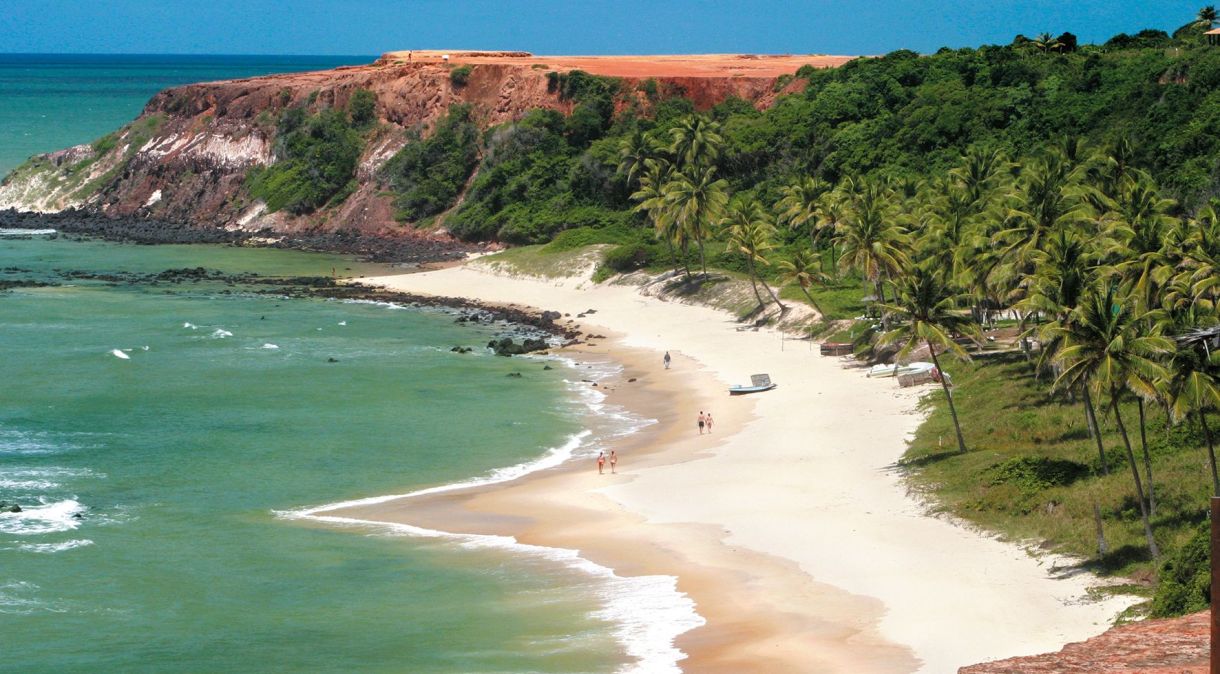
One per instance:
(1135,475)
(702,259)
(783,308)
(812,302)
(1091,417)
(944,382)
(1147,459)
(686,258)
(754,281)
(1102,546)
(673,255)
(1211,451)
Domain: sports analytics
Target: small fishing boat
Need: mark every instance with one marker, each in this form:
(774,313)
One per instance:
(758,383)
(894,369)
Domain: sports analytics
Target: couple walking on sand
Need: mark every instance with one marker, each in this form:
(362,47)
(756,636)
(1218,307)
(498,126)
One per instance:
(705,420)
(601,462)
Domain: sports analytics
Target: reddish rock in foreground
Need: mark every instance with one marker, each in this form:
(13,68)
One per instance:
(1172,646)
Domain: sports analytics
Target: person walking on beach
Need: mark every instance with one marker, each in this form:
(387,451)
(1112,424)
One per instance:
(666,360)
(702,421)
(613,460)
(601,462)
(709,422)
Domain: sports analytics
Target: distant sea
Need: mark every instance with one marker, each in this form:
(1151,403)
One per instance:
(165,442)
(52,101)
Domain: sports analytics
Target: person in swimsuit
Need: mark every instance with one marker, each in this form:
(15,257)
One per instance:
(702,421)
(709,422)
(613,460)
(666,360)
(601,462)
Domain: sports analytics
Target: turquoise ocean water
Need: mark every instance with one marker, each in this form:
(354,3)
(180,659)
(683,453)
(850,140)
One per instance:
(52,101)
(162,491)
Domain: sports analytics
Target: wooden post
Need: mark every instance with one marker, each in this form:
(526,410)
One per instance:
(1215,609)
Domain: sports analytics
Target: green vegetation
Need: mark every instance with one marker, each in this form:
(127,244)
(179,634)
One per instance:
(316,157)
(460,75)
(427,175)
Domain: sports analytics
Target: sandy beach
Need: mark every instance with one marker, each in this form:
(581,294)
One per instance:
(787,525)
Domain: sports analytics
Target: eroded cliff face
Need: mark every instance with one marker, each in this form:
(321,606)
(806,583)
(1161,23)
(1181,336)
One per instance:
(186,157)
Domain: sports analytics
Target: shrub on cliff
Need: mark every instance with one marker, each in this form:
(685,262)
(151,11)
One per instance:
(460,75)
(316,157)
(1185,578)
(363,108)
(427,175)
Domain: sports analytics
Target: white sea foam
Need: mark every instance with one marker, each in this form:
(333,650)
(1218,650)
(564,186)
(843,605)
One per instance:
(648,612)
(118,353)
(221,333)
(342,322)
(18,598)
(47,518)
(51,548)
(190,326)
(269,345)
(7,232)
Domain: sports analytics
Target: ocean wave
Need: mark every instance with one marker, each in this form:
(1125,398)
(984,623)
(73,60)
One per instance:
(16,598)
(649,612)
(8,232)
(51,548)
(47,518)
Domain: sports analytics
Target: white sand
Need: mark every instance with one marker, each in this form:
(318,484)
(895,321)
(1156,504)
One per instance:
(809,480)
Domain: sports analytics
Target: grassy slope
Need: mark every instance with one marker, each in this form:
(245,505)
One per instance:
(1007,414)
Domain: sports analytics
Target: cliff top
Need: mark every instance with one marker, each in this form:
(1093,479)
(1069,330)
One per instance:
(642,66)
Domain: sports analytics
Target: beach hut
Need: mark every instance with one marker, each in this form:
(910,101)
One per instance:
(1213,36)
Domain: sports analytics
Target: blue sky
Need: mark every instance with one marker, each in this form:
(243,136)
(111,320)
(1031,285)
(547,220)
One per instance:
(558,27)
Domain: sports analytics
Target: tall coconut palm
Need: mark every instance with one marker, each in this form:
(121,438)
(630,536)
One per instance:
(804,270)
(650,199)
(634,153)
(1139,223)
(870,237)
(695,143)
(926,314)
(697,198)
(1110,348)
(1045,43)
(1206,17)
(1064,271)
(802,206)
(751,233)
(1192,389)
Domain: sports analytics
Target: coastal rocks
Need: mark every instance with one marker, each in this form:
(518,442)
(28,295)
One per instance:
(9,507)
(513,375)
(1177,645)
(461,349)
(507,347)
(396,248)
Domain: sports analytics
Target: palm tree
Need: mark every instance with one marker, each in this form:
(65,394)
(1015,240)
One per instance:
(926,310)
(695,143)
(871,239)
(1063,274)
(1206,17)
(697,199)
(650,199)
(1109,347)
(802,205)
(804,271)
(1045,43)
(634,153)
(1192,389)
(751,234)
